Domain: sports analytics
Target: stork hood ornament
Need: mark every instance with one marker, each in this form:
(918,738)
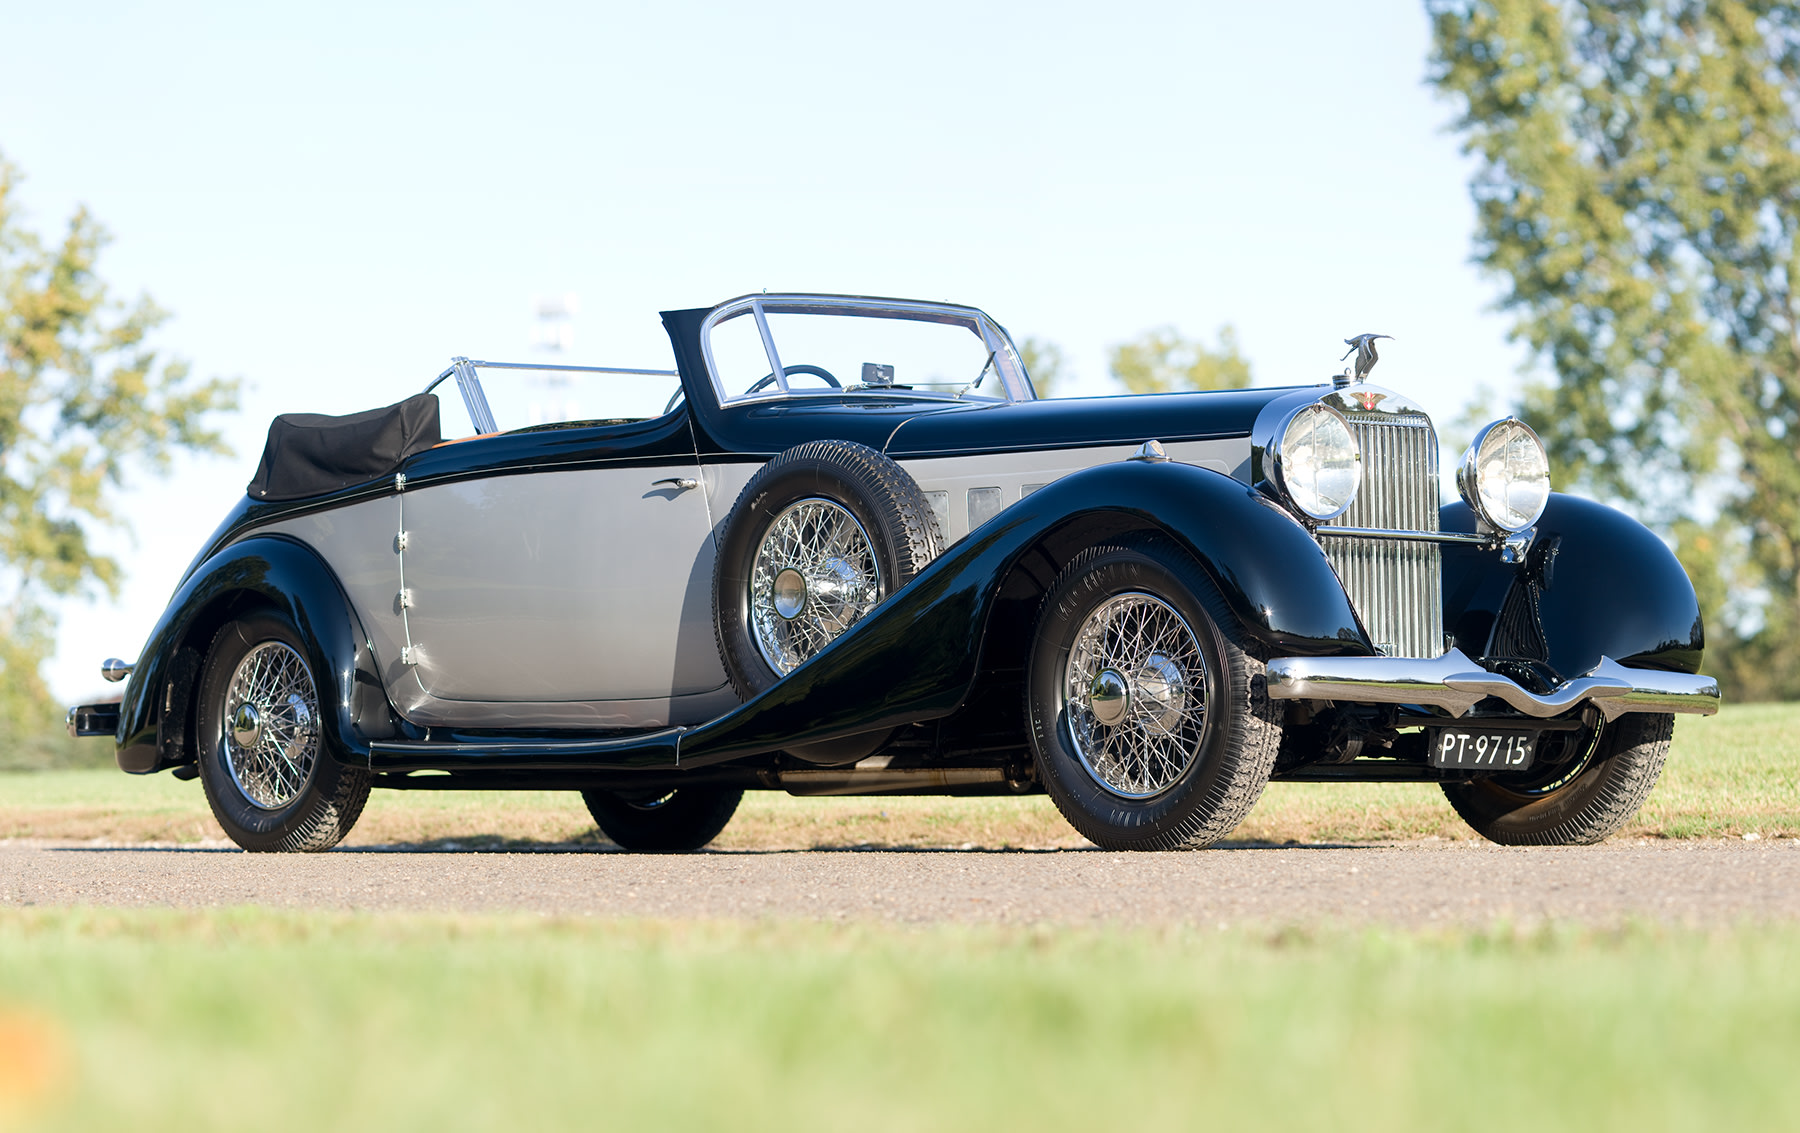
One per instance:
(1363,346)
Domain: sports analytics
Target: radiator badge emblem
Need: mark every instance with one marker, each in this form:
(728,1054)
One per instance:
(1368,399)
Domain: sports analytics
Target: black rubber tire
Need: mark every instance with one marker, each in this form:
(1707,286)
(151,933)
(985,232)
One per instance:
(684,819)
(1240,736)
(877,491)
(333,795)
(1578,803)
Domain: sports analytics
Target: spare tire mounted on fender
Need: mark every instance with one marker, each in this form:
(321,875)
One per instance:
(820,535)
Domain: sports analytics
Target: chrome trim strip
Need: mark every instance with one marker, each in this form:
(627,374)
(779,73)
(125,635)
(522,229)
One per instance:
(579,369)
(1455,683)
(1410,536)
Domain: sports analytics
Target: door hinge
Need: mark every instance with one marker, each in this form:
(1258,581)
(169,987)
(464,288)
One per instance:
(400,542)
(409,655)
(406,599)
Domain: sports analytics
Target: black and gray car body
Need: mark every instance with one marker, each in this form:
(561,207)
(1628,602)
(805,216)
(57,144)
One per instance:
(843,548)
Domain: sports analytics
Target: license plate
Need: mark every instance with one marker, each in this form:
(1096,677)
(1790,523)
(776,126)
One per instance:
(1478,749)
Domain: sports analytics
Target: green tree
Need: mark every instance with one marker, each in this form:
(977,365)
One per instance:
(1045,362)
(1162,361)
(84,400)
(1638,192)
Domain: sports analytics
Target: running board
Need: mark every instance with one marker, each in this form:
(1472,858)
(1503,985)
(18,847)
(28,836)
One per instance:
(649,751)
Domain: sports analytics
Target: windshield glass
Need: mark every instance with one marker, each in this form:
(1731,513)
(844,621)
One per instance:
(525,396)
(824,345)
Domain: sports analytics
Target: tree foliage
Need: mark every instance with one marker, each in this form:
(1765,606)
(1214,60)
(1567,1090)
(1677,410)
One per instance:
(1638,191)
(85,399)
(1163,361)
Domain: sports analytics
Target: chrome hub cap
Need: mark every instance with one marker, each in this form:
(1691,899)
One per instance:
(271,727)
(814,577)
(1134,694)
(246,725)
(1109,697)
(790,593)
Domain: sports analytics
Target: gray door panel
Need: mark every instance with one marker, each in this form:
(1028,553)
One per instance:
(584,585)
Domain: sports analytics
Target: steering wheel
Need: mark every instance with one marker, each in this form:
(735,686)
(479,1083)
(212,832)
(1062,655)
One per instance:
(816,371)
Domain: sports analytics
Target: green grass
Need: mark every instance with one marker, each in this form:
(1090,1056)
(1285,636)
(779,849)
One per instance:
(275,1021)
(1733,774)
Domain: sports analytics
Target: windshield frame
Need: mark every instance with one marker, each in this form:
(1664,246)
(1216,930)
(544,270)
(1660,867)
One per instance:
(1014,384)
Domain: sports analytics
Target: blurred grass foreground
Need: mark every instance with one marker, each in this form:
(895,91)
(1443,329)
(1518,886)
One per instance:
(1732,775)
(282,1021)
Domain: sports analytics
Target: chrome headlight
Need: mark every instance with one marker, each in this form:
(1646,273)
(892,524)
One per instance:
(1505,475)
(1317,463)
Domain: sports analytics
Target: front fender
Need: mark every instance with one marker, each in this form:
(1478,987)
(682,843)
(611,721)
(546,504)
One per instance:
(916,657)
(270,571)
(1595,583)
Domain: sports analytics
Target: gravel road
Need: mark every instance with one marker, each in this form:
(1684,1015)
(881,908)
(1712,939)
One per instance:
(1409,884)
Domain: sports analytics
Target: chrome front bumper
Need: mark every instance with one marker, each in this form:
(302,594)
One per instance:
(1454,683)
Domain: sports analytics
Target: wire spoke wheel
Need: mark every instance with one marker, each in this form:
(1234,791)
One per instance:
(1144,712)
(1135,695)
(271,717)
(818,537)
(814,576)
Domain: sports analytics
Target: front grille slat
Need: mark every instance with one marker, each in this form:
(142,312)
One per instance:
(1395,586)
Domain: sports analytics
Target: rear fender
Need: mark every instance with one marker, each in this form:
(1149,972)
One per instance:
(156,717)
(916,657)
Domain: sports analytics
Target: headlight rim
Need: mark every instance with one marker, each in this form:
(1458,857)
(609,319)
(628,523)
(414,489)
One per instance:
(1468,483)
(1279,457)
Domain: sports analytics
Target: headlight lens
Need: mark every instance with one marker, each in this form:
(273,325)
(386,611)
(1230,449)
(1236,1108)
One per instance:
(1318,462)
(1505,475)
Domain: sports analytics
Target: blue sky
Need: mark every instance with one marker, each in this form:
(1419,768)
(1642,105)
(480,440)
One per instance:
(333,199)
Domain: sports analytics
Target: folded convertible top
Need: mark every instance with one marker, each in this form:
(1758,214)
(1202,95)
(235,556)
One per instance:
(310,454)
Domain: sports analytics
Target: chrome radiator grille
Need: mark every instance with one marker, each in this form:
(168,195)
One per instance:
(1395,585)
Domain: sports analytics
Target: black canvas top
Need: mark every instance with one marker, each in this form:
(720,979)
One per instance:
(310,454)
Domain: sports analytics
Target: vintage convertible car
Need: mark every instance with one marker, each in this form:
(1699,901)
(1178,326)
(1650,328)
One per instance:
(842,548)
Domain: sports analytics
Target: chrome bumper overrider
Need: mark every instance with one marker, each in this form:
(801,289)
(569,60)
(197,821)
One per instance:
(1453,682)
